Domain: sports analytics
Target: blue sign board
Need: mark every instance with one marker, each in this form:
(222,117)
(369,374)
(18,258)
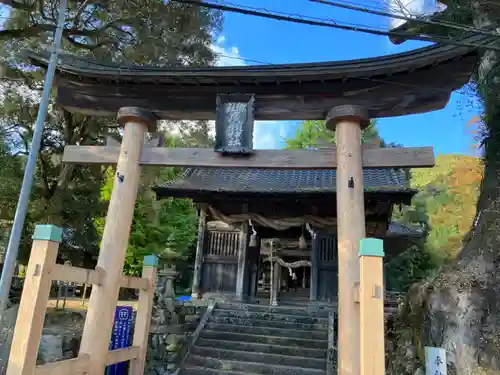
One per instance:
(121,337)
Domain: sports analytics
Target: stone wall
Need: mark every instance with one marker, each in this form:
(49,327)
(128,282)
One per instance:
(170,336)
(172,324)
(167,342)
(60,337)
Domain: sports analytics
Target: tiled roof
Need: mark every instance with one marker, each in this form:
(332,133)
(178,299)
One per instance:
(412,82)
(235,180)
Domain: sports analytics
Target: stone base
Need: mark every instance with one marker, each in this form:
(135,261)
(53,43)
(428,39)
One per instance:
(196,296)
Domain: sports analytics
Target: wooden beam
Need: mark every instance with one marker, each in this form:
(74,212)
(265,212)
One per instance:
(134,282)
(95,277)
(409,157)
(75,366)
(78,275)
(287,252)
(122,355)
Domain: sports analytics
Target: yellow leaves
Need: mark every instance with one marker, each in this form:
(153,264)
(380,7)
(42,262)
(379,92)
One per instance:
(457,180)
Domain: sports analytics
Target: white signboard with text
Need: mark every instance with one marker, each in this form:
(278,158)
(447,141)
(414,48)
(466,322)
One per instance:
(435,361)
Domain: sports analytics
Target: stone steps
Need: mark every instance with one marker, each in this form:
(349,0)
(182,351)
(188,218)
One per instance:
(264,358)
(316,312)
(263,347)
(256,330)
(242,339)
(263,315)
(257,322)
(195,370)
(247,367)
(263,339)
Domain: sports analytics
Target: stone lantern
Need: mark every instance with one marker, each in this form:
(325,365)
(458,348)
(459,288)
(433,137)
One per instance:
(167,276)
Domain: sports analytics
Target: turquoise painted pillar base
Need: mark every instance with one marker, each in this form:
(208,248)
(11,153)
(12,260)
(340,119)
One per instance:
(47,232)
(371,247)
(150,261)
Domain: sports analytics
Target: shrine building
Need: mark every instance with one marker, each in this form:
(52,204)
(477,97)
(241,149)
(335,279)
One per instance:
(285,217)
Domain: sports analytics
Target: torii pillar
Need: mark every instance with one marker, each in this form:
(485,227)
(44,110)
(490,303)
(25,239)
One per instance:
(348,121)
(104,298)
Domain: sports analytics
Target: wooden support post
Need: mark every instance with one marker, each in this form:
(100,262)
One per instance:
(255,272)
(242,262)
(200,245)
(371,303)
(313,282)
(104,297)
(143,317)
(275,284)
(31,315)
(254,276)
(347,121)
(84,294)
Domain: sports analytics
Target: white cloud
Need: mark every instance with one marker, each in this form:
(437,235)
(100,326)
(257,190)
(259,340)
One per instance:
(226,55)
(413,8)
(267,134)
(265,142)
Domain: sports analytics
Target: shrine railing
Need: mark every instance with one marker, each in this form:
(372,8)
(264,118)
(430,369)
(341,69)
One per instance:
(41,271)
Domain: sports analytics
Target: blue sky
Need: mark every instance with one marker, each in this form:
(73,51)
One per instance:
(273,41)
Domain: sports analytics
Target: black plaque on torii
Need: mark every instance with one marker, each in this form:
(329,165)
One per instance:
(234,124)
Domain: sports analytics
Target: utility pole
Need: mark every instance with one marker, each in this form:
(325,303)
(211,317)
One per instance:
(24,195)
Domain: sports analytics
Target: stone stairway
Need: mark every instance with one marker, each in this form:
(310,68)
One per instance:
(252,339)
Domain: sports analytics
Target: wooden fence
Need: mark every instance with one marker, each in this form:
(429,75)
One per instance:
(42,270)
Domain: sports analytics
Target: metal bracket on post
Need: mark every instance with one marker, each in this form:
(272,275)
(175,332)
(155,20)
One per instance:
(234,124)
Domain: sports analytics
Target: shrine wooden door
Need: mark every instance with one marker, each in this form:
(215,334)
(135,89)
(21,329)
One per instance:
(324,268)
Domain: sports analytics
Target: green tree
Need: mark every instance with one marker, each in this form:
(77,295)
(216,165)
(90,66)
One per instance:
(10,182)
(314,133)
(415,262)
(166,228)
(413,265)
(419,260)
(128,31)
(10,177)
(133,32)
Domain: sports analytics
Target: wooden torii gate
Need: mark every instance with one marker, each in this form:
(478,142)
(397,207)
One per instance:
(361,304)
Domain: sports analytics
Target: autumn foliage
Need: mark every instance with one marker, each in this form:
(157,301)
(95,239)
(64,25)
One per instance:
(449,192)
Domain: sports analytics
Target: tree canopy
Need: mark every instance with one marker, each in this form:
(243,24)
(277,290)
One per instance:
(131,32)
(313,133)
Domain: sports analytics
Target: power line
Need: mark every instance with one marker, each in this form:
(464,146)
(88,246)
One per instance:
(242,58)
(336,25)
(405,18)
(302,17)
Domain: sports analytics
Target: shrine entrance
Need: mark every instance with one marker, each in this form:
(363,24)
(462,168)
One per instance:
(349,189)
(285,278)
